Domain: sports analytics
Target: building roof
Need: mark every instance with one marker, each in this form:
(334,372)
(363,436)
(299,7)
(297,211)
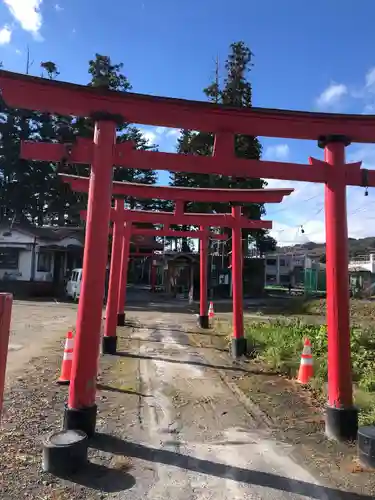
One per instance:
(53,234)
(50,233)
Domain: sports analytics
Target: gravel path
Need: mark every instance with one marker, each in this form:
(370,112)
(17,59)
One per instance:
(210,448)
(168,428)
(34,325)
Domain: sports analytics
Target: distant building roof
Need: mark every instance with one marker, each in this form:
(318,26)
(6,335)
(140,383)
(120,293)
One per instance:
(50,233)
(58,233)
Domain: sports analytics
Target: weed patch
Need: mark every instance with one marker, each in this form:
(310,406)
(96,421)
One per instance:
(279,344)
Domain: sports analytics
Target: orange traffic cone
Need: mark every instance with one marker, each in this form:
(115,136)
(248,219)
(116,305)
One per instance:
(66,366)
(306,369)
(211,313)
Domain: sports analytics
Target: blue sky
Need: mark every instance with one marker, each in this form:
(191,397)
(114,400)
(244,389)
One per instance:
(308,55)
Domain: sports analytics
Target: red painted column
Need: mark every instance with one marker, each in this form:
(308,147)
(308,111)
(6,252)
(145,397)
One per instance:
(124,274)
(238,340)
(341,416)
(110,339)
(6,301)
(203,265)
(81,410)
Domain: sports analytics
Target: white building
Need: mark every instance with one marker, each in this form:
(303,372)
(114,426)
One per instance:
(285,269)
(363,263)
(35,260)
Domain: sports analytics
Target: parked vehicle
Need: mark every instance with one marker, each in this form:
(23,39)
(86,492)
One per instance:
(73,286)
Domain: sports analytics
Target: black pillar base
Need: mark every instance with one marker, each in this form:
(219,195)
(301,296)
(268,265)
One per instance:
(239,347)
(83,419)
(366,446)
(342,423)
(109,345)
(120,319)
(203,322)
(64,452)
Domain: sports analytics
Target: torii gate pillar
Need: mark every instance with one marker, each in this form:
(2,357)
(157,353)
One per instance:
(109,344)
(203,263)
(81,409)
(238,340)
(341,415)
(124,274)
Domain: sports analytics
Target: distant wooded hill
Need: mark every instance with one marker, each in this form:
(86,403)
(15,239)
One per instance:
(362,246)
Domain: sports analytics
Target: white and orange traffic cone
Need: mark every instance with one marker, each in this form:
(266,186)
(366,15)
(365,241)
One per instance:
(66,366)
(211,313)
(306,369)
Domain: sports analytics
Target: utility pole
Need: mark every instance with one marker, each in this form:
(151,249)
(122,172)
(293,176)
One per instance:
(28,62)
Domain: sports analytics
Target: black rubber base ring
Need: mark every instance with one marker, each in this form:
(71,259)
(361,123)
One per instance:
(341,423)
(366,446)
(109,345)
(239,347)
(203,322)
(63,382)
(65,452)
(83,419)
(120,319)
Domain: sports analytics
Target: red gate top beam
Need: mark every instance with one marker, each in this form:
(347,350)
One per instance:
(81,184)
(225,164)
(27,92)
(193,219)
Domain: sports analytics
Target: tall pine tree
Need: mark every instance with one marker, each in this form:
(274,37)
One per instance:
(105,74)
(32,191)
(236,91)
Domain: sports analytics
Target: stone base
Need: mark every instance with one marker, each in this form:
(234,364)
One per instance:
(203,322)
(109,345)
(64,452)
(120,319)
(341,423)
(239,347)
(83,419)
(366,446)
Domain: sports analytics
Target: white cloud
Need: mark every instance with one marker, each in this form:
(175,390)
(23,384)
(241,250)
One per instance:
(305,207)
(277,152)
(149,136)
(58,8)
(356,94)
(370,79)
(167,132)
(173,132)
(332,95)
(18,52)
(5,35)
(27,13)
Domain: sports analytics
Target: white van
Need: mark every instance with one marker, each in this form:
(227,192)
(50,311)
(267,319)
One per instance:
(73,286)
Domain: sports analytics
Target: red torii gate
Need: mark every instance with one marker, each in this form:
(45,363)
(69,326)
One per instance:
(179,195)
(121,217)
(107,108)
(126,255)
(201,234)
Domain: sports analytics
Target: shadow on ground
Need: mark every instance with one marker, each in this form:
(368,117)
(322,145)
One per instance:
(117,446)
(110,388)
(102,478)
(235,367)
(155,341)
(198,331)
